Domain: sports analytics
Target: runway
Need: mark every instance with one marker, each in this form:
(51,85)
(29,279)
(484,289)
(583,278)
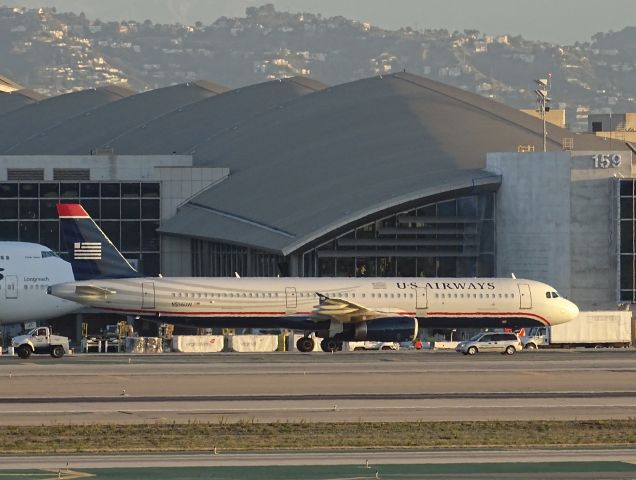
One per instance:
(374,386)
(433,457)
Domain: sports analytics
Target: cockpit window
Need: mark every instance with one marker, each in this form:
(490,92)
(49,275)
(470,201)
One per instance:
(548,295)
(555,295)
(48,253)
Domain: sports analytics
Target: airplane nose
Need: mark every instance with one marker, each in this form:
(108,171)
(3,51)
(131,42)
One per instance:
(570,311)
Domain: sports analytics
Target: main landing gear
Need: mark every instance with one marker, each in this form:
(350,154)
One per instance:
(330,345)
(305,344)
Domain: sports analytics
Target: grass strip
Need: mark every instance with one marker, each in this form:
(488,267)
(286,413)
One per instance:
(253,436)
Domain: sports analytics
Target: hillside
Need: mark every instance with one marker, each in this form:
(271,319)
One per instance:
(53,52)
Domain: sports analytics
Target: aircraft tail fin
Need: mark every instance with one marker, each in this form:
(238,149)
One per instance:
(91,253)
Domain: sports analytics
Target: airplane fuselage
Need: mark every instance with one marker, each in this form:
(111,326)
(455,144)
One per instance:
(292,302)
(26,270)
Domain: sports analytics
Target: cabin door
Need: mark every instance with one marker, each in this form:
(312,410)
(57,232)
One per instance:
(291,301)
(421,301)
(11,286)
(148,295)
(525,298)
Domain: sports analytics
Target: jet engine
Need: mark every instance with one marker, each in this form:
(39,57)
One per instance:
(393,329)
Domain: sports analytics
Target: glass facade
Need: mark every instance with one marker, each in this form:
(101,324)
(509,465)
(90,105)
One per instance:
(128,212)
(214,259)
(452,238)
(627,250)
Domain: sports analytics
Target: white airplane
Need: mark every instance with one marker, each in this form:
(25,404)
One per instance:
(337,309)
(26,271)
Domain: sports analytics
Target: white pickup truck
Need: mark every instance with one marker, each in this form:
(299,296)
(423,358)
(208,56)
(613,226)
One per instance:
(40,340)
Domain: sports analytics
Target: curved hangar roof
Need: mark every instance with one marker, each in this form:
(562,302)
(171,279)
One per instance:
(10,101)
(100,126)
(181,130)
(320,163)
(163,121)
(19,125)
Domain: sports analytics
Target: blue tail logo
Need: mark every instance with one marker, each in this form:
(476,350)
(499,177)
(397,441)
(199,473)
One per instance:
(87,250)
(91,252)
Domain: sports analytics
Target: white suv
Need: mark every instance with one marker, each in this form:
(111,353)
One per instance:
(507,343)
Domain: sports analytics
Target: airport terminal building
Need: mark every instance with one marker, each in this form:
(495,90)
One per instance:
(388,176)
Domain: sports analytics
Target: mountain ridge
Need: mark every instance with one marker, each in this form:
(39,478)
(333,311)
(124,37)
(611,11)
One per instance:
(56,52)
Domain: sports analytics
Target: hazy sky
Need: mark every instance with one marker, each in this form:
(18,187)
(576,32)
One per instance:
(560,21)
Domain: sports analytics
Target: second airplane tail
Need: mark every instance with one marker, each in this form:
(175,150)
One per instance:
(91,253)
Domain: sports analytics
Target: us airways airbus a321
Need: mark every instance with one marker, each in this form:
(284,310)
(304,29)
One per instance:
(336,309)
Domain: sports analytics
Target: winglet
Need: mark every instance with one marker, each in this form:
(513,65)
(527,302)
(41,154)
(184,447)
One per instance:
(71,210)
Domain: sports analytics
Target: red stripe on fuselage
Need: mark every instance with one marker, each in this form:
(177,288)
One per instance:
(429,314)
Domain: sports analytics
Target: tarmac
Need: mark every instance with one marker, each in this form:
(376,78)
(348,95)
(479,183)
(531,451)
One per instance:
(397,465)
(360,386)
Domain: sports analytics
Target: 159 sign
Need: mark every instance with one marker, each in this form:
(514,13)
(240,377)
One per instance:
(607,160)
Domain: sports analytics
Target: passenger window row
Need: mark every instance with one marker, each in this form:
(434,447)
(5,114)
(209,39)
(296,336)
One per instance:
(225,295)
(277,294)
(474,295)
(392,295)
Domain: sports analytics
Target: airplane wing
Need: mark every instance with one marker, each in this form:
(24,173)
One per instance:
(92,291)
(345,311)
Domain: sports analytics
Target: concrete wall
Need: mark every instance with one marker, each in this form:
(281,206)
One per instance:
(594,229)
(179,184)
(532,216)
(103,167)
(608,122)
(556,222)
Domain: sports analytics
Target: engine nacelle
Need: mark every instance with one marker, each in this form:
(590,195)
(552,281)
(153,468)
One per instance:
(394,329)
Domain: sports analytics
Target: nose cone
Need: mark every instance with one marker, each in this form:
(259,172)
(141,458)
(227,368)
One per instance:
(568,311)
